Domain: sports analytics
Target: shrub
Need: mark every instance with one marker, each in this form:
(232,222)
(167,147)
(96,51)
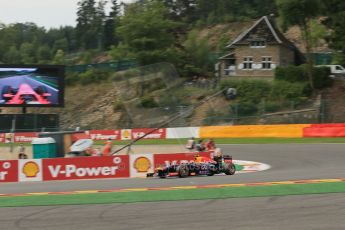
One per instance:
(245,108)
(148,102)
(286,90)
(249,90)
(300,74)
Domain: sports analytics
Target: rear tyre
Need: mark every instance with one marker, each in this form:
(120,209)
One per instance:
(230,170)
(183,171)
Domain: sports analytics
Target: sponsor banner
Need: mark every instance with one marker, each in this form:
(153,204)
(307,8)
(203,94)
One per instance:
(24,137)
(324,131)
(177,158)
(86,168)
(141,164)
(30,170)
(104,134)
(288,130)
(182,132)
(157,134)
(2,137)
(126,134)
(9,138)
(9,171)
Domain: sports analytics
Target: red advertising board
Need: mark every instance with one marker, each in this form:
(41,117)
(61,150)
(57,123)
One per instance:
(104,134)
(177,158)
(85,168)
(2,137)
(157,134)
(9,171)
(24,137)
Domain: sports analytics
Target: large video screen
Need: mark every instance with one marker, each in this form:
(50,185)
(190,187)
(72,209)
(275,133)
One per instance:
(32,86)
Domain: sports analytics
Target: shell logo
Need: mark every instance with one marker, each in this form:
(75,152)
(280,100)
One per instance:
(126,134)
(142,164)
(31,169)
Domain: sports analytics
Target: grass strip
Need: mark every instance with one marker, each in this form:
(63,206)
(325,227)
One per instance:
(174,195)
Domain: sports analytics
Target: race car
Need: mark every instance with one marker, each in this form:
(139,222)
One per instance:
(25,95)
(200,166)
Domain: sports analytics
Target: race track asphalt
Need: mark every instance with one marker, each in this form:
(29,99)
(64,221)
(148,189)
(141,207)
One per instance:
(288,162)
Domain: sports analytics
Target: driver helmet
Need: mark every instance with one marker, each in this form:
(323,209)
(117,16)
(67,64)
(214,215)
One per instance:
(218,152)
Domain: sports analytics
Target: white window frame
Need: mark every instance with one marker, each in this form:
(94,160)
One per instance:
(266,63)
(248,63)
(257,44)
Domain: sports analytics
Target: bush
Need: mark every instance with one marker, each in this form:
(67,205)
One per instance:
(245,108)
(286,90)
(321,77)
(300,74)
(249,90)
(148,102)
(291,74)
(72,78)
(93,76)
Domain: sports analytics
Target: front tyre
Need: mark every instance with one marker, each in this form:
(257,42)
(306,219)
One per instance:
(183,171)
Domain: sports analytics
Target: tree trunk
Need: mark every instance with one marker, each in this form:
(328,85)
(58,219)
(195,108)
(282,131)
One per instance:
(308,46)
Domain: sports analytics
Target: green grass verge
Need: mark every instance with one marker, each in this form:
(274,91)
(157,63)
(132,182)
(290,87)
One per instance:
(175,195)
(224,141)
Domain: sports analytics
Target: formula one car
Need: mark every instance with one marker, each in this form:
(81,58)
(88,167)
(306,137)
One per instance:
(201,166)
(25,95)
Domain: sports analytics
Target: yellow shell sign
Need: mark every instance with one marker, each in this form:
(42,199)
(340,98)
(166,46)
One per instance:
(31,169)
(142,164)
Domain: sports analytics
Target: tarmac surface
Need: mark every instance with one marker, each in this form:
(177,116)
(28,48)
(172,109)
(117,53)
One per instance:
(288,162)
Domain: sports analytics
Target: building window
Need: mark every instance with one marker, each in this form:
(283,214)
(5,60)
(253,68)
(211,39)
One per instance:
(266,62)
(248,63)
(257,44)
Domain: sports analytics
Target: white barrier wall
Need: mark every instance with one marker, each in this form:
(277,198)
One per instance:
(183,132)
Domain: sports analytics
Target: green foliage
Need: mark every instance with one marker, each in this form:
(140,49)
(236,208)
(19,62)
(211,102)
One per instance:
(245,108)
(291,74)
(249,90)
(225,11)
(335,10)
(282,90)
(145,30)
(148,102)
(93,76)
(71,78)
(259,96)
(59,57)
(198,52)
(321,77)
(298,12)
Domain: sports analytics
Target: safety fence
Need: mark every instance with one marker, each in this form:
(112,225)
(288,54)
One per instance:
(80,168)
(236,131)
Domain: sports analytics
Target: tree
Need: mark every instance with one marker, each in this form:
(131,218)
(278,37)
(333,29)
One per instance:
(43,54)
(110,37)
(145,30)
(90,19)
(12,56)
(27,52)
(301,13)
(198,52)
(59,57)
(335,10)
